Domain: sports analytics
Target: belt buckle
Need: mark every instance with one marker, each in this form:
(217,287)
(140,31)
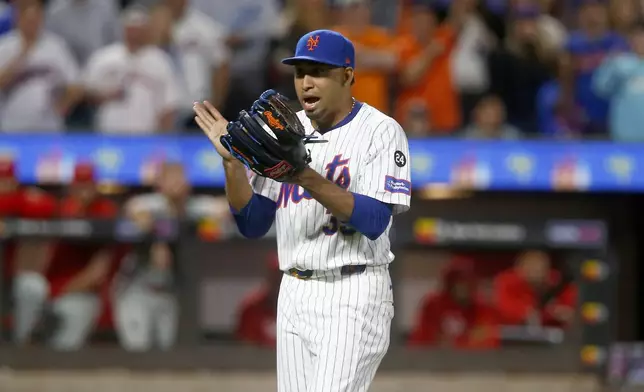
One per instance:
(353,269)
(304,275)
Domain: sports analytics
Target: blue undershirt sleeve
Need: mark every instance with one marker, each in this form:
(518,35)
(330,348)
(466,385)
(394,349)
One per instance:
(370,216)
(256,218)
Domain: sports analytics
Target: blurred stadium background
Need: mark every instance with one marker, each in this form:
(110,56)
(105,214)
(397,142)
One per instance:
(517,268)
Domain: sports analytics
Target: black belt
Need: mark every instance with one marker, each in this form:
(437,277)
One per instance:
(346,270)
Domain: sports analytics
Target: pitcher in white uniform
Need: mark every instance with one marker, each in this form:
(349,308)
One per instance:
(336,303)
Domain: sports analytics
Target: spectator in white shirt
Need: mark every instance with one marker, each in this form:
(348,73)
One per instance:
(86,25)
(38,75)
(251,26)
(133,83)
(469,58)
(202,56)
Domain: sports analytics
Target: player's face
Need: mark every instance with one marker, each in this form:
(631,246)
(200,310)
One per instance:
(461,292)
(593,16)
(490,114)
(423,22)
(29,21)
(535,267)
(526,29)
(137,34)
(320,88)
(173,182)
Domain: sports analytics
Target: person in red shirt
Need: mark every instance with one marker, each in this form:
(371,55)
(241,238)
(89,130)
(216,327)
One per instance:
(258,312)
(78,269)
(521,291)
(456,316)
(24,259)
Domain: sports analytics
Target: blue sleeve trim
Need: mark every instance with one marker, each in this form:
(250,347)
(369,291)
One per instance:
(370,216)
(257,217)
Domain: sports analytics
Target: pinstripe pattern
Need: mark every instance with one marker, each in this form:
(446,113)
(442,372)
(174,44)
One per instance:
(334,330)
(367,144)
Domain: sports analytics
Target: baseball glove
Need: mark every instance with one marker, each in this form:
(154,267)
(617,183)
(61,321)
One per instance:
(269,139)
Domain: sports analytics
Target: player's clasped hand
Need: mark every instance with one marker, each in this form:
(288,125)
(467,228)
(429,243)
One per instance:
(268,139)
(213,124)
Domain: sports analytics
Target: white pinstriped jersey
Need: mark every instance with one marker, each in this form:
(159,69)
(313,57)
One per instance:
(368,155)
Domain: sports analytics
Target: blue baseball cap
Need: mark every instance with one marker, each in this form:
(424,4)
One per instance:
(325,47)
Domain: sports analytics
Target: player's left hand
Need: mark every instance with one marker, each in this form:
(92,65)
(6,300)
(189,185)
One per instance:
(269,139)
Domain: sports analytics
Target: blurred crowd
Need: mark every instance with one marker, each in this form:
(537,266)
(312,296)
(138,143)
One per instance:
(499,69)
(479,69)
(64,293)
(477,304)
(485,307)
(61,292)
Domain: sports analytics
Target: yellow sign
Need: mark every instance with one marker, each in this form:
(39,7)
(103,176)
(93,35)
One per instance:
(521,165)
(594,270)
(592,355)
(425,230)
(109,159)
(593,312)
(621,166)
(209,230)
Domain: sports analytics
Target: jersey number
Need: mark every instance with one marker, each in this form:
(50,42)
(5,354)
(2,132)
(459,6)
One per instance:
(334,226)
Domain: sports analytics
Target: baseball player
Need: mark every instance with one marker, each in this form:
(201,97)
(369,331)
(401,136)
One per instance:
(24,259)
(69,307)
(332,218)
(78,270)
(258,311)
(144,291)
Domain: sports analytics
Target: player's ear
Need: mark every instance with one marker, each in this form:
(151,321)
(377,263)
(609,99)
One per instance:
(348,76)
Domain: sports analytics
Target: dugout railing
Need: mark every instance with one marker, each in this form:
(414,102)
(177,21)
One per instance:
(440,225)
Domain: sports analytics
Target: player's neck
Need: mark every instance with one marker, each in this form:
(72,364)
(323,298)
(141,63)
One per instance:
(345,109)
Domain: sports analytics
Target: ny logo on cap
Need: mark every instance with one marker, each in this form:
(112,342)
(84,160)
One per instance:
(312,43)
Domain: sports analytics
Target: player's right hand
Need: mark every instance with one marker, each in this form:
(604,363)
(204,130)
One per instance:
(213,124)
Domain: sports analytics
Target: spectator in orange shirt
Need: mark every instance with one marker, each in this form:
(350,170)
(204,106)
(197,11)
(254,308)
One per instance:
(258,312)
(376,58)
(428,102)
(522,290)
(78,270)
(456,316)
